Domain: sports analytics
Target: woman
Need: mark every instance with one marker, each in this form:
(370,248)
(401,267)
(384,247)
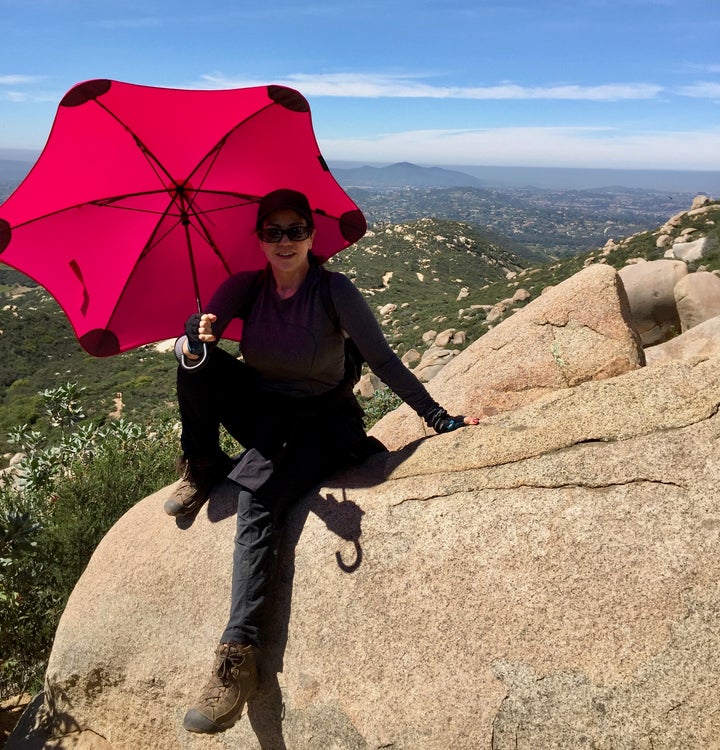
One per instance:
(291,407)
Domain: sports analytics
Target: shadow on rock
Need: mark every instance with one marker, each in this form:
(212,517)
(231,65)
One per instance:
(266,711)
(343,517)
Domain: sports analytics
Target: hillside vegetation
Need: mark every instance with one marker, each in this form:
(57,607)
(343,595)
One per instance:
(437,274)
(421,267)
(428,269)
(40,351)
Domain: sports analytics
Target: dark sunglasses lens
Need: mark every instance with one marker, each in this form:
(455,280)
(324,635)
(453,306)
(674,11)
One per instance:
(274,234)
(270,234)
(295,234)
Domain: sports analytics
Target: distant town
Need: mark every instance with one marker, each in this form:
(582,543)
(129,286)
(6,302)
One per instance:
(534,210)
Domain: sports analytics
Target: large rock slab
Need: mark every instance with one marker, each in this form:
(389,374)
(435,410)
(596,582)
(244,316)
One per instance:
(576,331)
(548,579)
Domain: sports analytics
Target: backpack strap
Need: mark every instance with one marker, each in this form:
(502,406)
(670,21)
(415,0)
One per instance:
(354,360)
(327,300)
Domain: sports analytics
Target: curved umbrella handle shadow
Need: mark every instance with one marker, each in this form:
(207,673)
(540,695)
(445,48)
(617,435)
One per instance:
(350,568)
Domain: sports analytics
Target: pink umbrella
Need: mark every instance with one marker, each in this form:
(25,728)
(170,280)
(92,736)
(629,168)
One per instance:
(144,200)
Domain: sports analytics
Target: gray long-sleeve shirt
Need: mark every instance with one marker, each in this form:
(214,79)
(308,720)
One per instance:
(297,349)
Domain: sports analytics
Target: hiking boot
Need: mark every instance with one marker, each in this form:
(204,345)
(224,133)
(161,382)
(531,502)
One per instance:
(233,680)
(189,497)
(194,490)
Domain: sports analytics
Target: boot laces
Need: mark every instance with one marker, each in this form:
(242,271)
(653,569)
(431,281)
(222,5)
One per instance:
(228,665)
(224,674)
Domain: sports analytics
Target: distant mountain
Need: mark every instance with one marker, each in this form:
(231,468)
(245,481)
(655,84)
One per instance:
(575,178)
(541,178)
(404,174)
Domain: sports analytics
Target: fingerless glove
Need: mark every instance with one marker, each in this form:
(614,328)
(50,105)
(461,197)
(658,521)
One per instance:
(192,331)
(441,421)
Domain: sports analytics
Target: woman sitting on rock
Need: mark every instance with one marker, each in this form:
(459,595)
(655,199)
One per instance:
(289,404)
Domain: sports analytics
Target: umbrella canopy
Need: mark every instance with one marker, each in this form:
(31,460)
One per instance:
(144,200)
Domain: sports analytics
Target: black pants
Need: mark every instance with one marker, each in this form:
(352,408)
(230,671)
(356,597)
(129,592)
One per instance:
(290,445)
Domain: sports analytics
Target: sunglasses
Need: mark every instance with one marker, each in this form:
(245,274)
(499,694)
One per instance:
(275,234)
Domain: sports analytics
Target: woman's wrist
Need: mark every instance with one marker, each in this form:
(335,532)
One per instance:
(188,354)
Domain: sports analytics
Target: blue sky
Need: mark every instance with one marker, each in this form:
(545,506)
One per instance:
(629,84)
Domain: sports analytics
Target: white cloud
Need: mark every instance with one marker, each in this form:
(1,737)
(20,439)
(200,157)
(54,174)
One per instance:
(533,146)
(362,85)
(18,80)
(703,67)
(21,89)
(702,90)
(28,97)
(15,96)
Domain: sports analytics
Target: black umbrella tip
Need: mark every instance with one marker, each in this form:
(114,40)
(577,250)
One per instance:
(353,225)
(288,98)
(5,235)
(100,342)
(85,92)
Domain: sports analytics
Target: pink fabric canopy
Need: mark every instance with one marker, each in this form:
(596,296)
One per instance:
(144,200)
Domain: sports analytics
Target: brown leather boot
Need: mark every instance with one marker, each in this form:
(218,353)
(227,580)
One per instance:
(194,489)
(234,679)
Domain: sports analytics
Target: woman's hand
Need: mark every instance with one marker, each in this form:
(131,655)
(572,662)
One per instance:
(198,331)
(441,421)
(206,330)
(448,423)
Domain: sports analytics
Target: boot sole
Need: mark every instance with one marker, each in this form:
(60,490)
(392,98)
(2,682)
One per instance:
(176,509)
(196,722)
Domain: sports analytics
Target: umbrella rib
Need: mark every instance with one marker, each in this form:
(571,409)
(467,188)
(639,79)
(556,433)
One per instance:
(102,203)
(155,238)
(200,226)
(154,162)
(216,153)
(151,242)
(110,203)
(144,251)
(215,150)
(210,241)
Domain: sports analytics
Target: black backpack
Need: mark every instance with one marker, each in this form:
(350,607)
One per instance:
(354,359)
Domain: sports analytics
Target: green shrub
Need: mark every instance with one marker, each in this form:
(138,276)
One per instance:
(97,493)
(381,403)
(63,500)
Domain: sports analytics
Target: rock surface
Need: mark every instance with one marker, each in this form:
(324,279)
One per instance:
(697,297)
(650,289)
(701,341)
(548,579)
(689,252)
(574,332)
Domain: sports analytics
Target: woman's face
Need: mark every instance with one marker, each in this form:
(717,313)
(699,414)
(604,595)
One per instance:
(287,256)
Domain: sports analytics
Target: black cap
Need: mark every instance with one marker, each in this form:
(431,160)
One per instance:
(283,199)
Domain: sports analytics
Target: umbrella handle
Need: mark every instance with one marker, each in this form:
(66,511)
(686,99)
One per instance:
(193,363)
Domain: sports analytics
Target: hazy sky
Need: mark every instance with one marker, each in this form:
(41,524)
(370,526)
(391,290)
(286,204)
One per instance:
(590,83)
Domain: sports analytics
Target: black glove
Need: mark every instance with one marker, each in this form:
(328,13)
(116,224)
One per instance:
(441,421)
(192,331)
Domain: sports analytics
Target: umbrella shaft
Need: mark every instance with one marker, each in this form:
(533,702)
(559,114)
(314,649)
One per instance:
(191,258)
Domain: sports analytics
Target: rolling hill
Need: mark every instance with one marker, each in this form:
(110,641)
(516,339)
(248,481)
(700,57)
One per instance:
(429,273)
